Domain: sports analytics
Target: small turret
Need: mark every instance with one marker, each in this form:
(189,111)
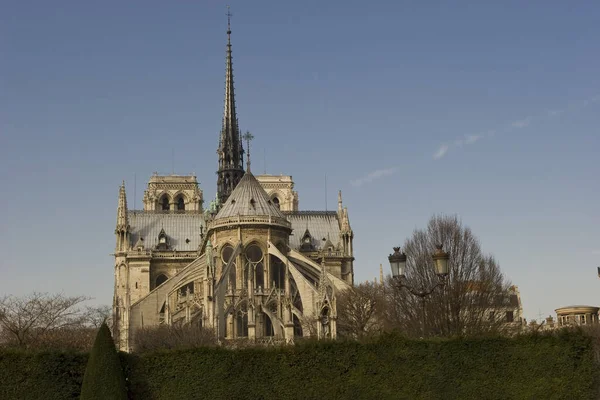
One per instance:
(340,206)
(122,219)
(122,228)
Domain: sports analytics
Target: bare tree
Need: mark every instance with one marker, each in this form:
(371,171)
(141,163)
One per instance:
(43,320)
(360,311)
(475,298)
(96,315)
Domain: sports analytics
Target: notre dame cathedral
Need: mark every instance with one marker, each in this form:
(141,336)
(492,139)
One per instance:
(250,265)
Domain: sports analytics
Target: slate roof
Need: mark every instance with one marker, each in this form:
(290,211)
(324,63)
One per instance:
(320,224)
(248,199)
(177,226)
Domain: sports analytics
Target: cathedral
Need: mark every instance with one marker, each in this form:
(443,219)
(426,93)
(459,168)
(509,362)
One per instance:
(251,265)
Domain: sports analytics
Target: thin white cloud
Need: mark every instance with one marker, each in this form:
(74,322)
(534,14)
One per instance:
(554,113)
(470,139)
(380,173)
(441,152)
(518,124)
(522,123)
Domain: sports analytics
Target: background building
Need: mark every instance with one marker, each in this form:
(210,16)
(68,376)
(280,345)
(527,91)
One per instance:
(576,315)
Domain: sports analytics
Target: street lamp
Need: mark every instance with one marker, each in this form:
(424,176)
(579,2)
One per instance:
(398,266)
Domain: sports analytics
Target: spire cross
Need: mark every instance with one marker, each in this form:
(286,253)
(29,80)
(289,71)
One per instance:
(229,15)
(248,137)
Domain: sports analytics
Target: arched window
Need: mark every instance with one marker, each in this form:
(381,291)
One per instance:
(180,203)
(186,289)
(242,322)
(297,326)
(226,254)
(276,202)
(277,272)
(260,277)
(162,278)
(164,203)
(295,294)
(254,266)
(269,331)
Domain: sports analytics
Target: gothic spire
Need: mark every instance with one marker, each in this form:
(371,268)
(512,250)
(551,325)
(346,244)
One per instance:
(122,218)
(230,151)
(122,228)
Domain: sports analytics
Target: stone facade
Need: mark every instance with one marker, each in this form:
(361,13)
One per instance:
(280,189)
(173,192)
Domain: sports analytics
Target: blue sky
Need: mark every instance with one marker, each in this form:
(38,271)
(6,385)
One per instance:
(489,111)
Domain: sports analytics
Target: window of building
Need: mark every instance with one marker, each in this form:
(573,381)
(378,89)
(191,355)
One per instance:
(510,316)
(226,253)
(260,276)
(186,289)
(254,266)
(242,322)
(582,319)
(277,272)
(164,203)
(269,331)
(180,203)
(162,278)
(276,202)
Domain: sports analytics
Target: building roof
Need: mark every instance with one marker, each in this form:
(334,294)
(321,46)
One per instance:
(249,199)
(182,229)
(576,308)
(322,225)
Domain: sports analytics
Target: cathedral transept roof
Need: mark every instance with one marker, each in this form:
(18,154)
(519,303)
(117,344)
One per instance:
(182,229)
(322,225)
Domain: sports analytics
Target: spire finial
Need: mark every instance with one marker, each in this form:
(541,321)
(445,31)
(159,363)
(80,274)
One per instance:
(230,151)
(228,24)
(248,137)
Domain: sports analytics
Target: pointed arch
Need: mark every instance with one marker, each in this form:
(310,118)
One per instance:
(164,202)
(160,279)
(277,198)
(181,200)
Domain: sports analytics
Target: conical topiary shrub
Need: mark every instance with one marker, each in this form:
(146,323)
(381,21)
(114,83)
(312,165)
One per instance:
(103,379)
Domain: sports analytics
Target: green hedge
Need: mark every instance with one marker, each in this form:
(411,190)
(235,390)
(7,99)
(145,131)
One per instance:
(44,375)
(559,366)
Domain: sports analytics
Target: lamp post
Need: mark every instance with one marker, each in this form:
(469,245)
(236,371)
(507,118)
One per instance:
(398,266)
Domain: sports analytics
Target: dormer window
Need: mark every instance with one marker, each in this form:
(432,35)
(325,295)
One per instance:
(307,242)
(163,241)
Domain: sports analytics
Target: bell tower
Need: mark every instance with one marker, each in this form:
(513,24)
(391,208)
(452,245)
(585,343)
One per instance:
(230,151)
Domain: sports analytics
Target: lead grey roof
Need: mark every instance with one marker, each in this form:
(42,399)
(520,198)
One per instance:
(248,199)
(321,225)
(177,226)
